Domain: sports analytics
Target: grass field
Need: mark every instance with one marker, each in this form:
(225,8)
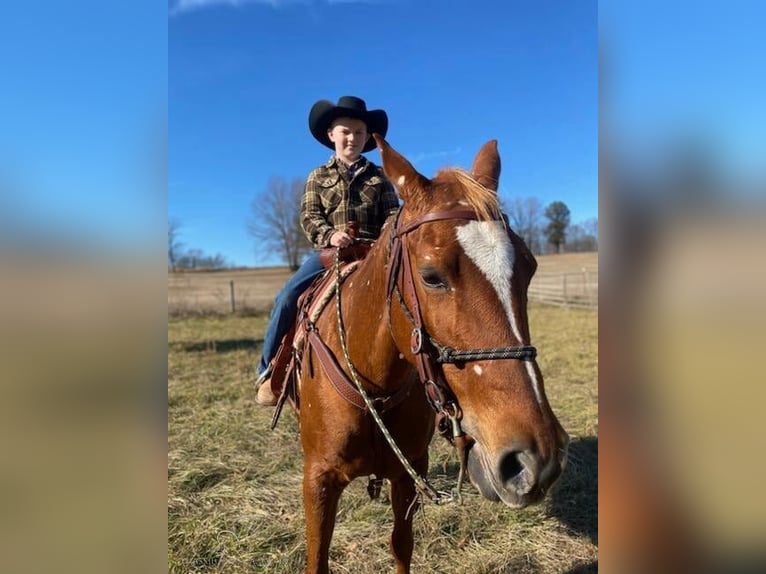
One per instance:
(234,487)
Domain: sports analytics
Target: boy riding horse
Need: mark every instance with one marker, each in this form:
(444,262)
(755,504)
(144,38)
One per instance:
(348,188)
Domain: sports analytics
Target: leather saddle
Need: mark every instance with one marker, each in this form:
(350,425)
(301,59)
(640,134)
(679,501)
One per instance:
(284,375)
(356,251)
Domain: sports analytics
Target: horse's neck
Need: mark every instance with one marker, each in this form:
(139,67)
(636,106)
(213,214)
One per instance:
(365,315)
(365,290)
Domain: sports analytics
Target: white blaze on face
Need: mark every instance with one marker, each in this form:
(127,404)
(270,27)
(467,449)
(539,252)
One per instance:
(533,377)
(487,244)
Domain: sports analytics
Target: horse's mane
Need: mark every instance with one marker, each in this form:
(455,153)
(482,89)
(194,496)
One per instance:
(481,199)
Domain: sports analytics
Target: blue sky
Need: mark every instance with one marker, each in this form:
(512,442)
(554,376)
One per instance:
(82,120)
(242,76)
(92,88)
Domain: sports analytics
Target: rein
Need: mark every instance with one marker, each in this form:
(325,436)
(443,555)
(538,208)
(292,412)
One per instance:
(438,497)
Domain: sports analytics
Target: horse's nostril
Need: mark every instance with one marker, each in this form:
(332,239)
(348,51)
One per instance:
(519,470)
(510,466)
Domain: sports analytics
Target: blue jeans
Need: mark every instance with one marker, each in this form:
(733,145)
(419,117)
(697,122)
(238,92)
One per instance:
(286,307)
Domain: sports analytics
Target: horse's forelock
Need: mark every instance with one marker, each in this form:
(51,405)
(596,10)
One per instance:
(480,199)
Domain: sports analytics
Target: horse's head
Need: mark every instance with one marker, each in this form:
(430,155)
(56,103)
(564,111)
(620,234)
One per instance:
(469,275)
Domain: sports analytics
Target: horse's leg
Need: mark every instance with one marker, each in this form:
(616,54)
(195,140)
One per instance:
(321,491)
(402,496)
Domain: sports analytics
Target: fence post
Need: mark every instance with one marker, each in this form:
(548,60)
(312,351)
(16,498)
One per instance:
(231,293)
(564,289)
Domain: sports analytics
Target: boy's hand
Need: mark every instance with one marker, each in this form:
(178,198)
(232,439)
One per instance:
(340,239)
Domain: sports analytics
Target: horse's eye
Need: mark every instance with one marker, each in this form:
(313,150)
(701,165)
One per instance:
(432,279)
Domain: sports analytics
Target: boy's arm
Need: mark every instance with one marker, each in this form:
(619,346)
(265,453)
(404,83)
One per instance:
(313,217)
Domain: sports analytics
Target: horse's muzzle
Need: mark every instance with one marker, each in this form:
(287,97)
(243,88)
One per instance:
(517,477)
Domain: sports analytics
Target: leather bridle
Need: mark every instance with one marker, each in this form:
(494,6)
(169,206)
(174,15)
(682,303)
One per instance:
(429,354)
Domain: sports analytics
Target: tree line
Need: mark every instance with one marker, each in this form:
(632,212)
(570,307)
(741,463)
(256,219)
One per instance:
(549,229)
(274,224)
(181,258)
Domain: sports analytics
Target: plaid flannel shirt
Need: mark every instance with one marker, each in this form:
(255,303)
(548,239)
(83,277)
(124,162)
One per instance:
(332,198)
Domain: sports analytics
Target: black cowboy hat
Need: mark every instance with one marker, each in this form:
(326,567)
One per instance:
(324,112)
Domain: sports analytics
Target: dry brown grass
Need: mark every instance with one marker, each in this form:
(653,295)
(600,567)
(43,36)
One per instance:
(567,262)
(210,291)
(234,487)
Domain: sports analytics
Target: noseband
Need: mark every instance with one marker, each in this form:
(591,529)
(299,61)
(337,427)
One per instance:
(428,352)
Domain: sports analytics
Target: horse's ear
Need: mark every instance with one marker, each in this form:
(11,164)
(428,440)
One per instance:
(486,166)
(399,171)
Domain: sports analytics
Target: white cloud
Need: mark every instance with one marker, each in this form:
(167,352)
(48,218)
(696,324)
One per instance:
(434,154)
(184,6)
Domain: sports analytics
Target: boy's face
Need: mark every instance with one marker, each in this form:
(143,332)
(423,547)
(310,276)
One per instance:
(349,136)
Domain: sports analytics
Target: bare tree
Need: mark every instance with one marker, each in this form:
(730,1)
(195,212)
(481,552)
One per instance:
(174,246)
(579,239)
(274,221)
(584,236)
(198,259)
(591,227)
(192,258)
(524,215)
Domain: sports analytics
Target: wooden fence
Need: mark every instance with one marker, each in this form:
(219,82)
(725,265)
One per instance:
(570,289)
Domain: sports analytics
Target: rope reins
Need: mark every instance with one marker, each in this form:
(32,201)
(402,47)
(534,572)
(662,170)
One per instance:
(438,497)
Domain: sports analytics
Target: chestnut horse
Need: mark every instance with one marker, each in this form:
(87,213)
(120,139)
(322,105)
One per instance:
(447,274)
